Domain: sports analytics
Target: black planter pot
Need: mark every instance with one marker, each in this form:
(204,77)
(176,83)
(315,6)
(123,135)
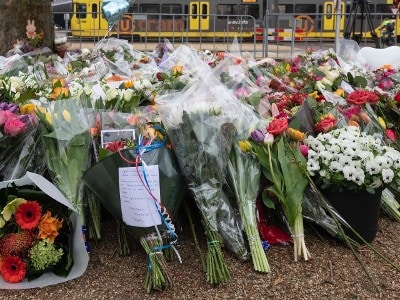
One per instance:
(360,209)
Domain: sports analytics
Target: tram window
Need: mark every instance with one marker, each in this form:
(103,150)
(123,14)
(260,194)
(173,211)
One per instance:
(193,11)
(285,9)
(383,8)
(81,11)
(174,11)
(94,11)
(329,11)
(305,8)
(250,10)
(133,9)
(152,10)
(204,11)
(226,9)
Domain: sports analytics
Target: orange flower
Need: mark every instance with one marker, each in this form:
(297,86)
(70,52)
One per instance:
(353,123)
(295,134)
(27,215)
(48,227)
(59,91)
(13,269)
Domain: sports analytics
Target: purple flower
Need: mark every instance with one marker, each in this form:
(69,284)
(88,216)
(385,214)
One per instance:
(257,136)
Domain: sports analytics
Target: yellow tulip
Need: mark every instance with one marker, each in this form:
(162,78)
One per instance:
(48,118)
(67,116)
(381,122)
(245,146)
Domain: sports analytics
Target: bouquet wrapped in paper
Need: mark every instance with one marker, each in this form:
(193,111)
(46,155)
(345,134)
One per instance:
(40,235)
(144,189)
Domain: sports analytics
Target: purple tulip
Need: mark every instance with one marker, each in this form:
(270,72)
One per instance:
(257,136)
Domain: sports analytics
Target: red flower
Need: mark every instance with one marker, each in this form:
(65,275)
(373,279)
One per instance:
(28,214)
(360,97)
(115,146)
(397,97)
(13,269)
(277,126)
(327,123)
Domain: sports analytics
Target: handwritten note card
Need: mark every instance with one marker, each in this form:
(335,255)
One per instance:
(137,205)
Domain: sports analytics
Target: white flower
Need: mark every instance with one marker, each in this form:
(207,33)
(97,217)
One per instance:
(387,175)
(112,94)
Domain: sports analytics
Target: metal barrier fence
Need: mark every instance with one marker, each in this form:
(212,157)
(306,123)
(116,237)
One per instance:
(278,36)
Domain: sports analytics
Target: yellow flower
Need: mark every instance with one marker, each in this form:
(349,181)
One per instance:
(177,70)
(295,134)
(381,122)
(313,94)
(245,146)
(128,84)
(339,92)
(66,115)
(28,108)
(48,118)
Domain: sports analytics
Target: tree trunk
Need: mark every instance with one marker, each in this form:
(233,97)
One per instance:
(17,18)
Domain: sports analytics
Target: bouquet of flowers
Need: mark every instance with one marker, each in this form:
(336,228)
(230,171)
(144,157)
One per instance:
(277,150)
(66,137)
(40,235)
(19,143)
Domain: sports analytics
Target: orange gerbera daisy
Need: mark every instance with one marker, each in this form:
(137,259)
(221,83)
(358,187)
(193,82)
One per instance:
(13,269)
(28,215)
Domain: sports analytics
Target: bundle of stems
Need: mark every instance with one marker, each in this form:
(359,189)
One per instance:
(157,277)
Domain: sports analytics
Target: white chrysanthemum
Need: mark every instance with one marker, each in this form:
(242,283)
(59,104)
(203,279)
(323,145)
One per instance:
(387,175)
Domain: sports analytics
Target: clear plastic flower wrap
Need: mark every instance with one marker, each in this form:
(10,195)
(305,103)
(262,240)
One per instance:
(202,122)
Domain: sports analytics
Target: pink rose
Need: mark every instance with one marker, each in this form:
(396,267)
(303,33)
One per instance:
(14,127)
(6,115)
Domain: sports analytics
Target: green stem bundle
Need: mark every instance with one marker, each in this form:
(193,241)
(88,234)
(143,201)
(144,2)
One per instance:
(157,277)
(217,271)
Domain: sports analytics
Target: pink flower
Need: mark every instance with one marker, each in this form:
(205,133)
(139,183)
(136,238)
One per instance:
(14,127)
(6,115)
(304,150)
(241,92)
(391,134)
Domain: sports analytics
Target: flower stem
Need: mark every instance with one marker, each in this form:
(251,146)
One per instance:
(217,271)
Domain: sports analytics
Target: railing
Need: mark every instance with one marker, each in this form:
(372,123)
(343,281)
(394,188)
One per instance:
(277,36)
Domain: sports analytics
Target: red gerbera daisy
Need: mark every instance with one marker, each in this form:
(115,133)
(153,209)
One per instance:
(13,269)
(28,214)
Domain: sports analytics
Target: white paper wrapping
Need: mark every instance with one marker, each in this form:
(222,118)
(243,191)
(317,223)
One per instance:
(80,255)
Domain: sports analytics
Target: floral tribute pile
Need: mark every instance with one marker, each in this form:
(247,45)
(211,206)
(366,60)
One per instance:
(249,136)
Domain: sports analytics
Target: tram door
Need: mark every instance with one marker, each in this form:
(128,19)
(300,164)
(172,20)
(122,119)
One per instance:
(199,16)
(330,17)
